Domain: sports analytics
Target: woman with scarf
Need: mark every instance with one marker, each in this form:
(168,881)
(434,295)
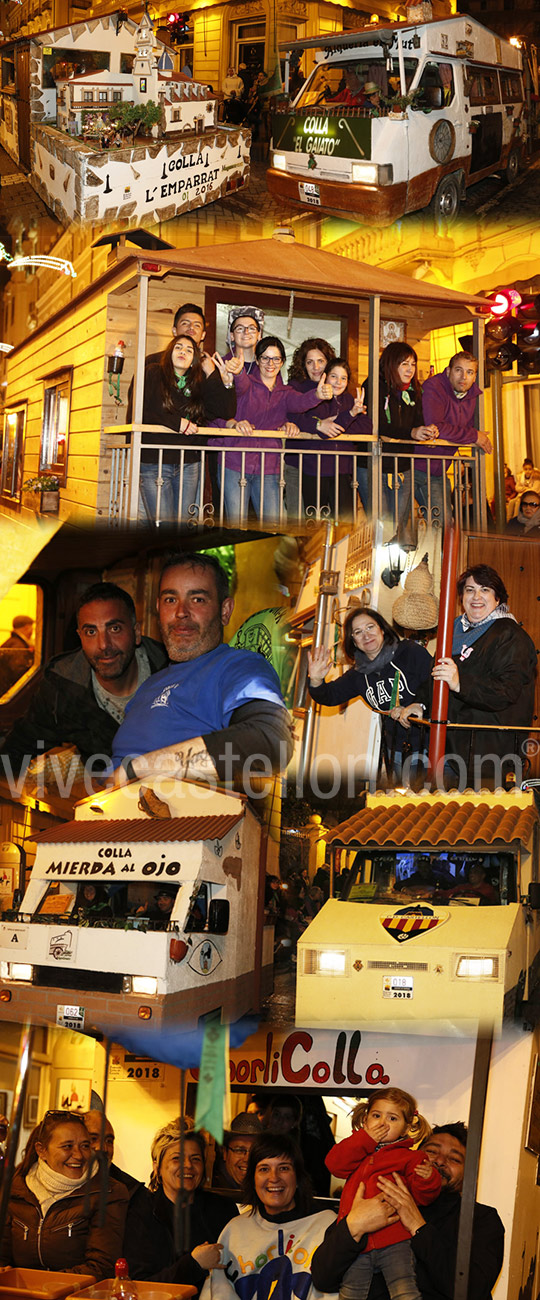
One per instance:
(491,681)
(400,418)
(527,521)
(387,672)
(53,1219)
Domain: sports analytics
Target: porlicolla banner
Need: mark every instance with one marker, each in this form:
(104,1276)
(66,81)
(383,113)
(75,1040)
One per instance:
(300,1059)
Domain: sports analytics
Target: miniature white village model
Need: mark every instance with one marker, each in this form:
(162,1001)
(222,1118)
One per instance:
(189,159)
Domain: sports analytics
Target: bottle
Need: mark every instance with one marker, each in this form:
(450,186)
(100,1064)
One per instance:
(123,1288)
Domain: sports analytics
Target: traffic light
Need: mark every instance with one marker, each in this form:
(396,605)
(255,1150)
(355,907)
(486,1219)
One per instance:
(501,352)
(178,25)
(513,332)
(528,336)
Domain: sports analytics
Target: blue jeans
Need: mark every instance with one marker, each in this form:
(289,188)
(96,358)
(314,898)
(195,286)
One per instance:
(232,495)
(293,496)
(403,496)
(170,492)
(396,1263)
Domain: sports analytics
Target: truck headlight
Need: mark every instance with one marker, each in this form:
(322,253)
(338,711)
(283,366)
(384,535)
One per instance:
(16,970)
(474,968)
(368,173)
(279,161)
(144,985)
(324,961)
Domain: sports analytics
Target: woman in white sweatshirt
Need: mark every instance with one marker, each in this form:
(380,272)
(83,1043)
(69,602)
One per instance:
(271,1245)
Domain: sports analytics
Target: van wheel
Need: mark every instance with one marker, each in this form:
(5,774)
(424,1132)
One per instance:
(446,200)
(512,167)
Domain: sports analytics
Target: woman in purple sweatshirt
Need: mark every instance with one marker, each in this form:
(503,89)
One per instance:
(263,402)
(342,413)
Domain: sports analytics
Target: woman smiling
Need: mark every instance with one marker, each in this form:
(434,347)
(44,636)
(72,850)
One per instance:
(52,1223)
(386,672)
(271,1247)
(182,390)
(149,1244)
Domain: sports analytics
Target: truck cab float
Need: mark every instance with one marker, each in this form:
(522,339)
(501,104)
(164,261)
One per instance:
(446,108)
(89,945)
(438,922)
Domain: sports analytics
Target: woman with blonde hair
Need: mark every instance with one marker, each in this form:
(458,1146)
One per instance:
(150,1246)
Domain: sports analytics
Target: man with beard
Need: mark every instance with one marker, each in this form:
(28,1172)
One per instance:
(215,712)
(433,1229)
(83,695)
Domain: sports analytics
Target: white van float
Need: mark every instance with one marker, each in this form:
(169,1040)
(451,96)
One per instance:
(451,110)
(68,961)
(413,944)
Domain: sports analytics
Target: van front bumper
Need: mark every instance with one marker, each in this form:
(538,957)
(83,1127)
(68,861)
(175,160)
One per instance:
(380,204)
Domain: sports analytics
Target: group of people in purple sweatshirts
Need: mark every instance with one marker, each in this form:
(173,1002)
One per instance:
(245,390)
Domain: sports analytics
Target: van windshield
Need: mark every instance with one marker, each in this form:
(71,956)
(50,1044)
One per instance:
(360,83)
(461,878)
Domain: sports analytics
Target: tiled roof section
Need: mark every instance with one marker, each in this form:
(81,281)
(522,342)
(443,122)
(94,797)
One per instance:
(154,831)
(434,824)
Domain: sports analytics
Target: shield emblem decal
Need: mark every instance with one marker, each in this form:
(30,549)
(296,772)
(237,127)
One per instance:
(411,922)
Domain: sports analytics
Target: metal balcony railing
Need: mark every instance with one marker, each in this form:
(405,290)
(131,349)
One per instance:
(343,481)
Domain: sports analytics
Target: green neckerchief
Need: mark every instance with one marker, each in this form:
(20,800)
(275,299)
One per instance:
(408,396)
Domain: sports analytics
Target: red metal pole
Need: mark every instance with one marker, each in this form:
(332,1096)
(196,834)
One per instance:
(439,707)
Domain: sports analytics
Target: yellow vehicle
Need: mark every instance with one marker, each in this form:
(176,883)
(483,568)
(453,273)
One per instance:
(438,922)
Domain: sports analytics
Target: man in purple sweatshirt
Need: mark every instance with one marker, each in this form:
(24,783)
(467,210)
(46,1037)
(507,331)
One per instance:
(449,402)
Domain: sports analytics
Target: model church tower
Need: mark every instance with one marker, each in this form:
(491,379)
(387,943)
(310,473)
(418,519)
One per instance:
(145,74)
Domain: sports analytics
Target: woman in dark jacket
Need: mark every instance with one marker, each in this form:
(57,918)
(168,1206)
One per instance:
(387,672)
(491,681)
(149,1245)
(400,418)
(527,521)
(180,395)
(53,1219)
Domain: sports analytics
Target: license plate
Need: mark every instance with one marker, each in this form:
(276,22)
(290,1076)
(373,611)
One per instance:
(70,1017)
(398,986)
(310,193)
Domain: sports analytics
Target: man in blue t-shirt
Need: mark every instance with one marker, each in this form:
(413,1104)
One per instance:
(214,712)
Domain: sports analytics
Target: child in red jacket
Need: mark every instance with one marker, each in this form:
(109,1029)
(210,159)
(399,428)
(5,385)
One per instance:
(384,1130)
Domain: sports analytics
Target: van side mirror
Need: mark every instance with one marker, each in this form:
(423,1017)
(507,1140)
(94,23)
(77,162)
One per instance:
(218,916)
(533,897)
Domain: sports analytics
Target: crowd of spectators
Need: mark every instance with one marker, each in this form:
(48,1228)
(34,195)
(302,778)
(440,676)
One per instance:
(207,1216)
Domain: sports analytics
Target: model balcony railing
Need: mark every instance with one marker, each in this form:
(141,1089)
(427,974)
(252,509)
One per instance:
(357,479)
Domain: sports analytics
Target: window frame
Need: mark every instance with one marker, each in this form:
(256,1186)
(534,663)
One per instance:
(49,461)
(13,493)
